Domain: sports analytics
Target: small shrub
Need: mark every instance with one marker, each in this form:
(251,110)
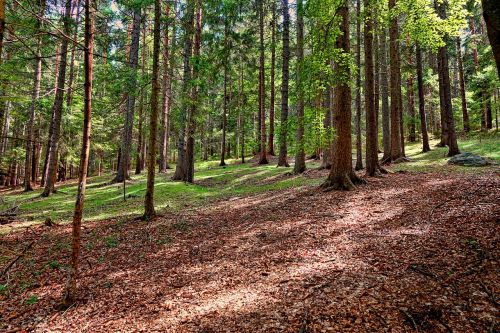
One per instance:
(31,300)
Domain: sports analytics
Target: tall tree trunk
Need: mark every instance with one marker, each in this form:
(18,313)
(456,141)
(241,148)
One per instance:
(57,109)
(126,145)
(193,97)
(491,14)
(139,159)
(165,115)
(342,175)
(180,167)
(451,137)
(396,151)
(461,78)
(273,88)
(300,156)
(372,165)
(70,289)
(359,151)
(226,94)
(149,207)
(69,93)
(262,91)
(421,101)
(412,137)
(282,160)
(384,92)
(30,145)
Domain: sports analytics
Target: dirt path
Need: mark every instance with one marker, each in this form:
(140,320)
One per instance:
(403,253)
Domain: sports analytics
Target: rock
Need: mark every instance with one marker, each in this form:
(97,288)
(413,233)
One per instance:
(468,159)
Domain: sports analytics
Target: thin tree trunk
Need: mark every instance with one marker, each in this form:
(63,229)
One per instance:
(69,94)
(359,151)
(421,101)
(461,78)
(70,289)
(273,88)
(342,175)
(262,91)
(139,159)
(384,92)
(57,109)
(282,159)
(412,137)
(226,95)
(300,156)
(165,117)
(149,208)
(396,151)
(126,145)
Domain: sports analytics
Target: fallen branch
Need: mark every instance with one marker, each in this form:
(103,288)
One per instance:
(17,258)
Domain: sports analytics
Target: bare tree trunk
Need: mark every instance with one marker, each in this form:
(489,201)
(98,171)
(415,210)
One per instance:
(71,289)
(300,156)
(262,91)
(165,115)
(342,175)
(461,78)
(273,88)
(139,159)
(359,151)
(149,208)
(491,14)
(421,101)
(126,144)
(30,145)
(384,92)
(226,95)
(282,159)
(412,137)
(69,94)
(57,109)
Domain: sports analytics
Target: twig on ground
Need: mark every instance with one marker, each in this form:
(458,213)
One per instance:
(17,258)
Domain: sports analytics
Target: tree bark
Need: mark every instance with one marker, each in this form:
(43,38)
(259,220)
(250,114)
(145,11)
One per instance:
(412,137)
(71,289)
(262,91)
(57,109)
(342,175)
(421,101)
(282,160)
(139,159)
(359,150)
(491,14)
(300,156)
(272,83)
(126,145)
(384,92)
(226,95)
(461,78)
(395,90)
(165,115)
(149,208)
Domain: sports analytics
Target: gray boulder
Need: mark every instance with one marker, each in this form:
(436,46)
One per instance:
(468,159)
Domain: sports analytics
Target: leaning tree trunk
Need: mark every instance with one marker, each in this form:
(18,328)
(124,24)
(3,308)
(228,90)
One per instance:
(70,289)
(149,207)
(491,14)
(282,161)
(126,145)
(300,156)
(342,175)
(395,67)
(262,92)
(57,109)
(359,151)
(30,145)
(421,101)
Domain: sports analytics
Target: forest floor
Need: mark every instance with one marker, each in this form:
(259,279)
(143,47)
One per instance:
(254,249)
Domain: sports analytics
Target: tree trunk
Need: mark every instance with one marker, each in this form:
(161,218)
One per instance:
(57,109)
(180,167)
(273,88)
(226,95)
(139,159)
(126,145)
(491,14)
(342,176)
(451,141)
(372,164)
(421,101)
(300,156)
(384,92)
(262,91)
(30,145)
(359,151)
(395,89)
(149,208)
(69,94)
(70,289)
(461,78)
(282,160)
(412,137)
(165,115)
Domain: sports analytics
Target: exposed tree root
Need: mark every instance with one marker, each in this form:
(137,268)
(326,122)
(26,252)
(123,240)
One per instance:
(344,182)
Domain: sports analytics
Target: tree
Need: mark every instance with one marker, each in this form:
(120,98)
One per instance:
(461,78)
(359,151)
(167,92)
(342,175)
(227,52)
(126,143)
(491,14)
(384,92)
(421,101)
(273,88)
(282,161)
(262,88)
(57,108)
(149,207)
(300,156)
(70,288)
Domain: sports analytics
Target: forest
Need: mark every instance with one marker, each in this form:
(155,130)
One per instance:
(249,166)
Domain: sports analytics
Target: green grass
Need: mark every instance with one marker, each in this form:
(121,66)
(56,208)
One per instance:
(212,183)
